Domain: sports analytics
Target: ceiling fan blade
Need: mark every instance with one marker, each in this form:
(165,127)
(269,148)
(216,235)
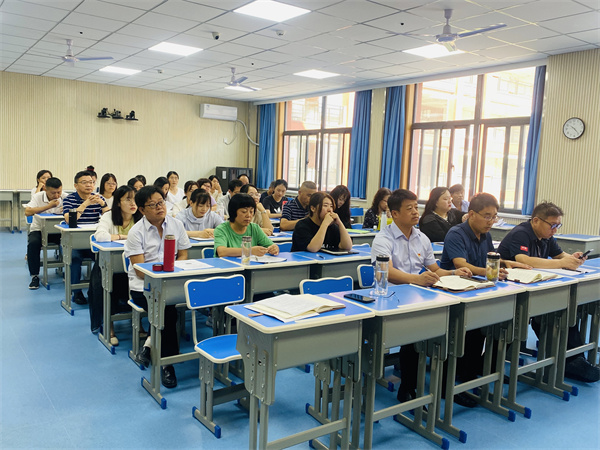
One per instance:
(240,80)
(482,30)
(249,87)
(450,46)
(95,59)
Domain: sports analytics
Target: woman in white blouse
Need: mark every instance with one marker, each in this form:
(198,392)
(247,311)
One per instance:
(198,219)
(175,194)
(189,187)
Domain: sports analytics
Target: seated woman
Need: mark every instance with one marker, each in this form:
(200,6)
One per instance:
(321,228)
(341,198)
(135,183)
(108,184)
(205,183)
(40,181)
(439,216)
(379,205)
(228,235)
(261,215)
(273,203)
(215,188)
(189,187)
(114,225)
(198,220)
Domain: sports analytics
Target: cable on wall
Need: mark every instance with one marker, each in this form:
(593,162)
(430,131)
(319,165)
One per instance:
(229,142)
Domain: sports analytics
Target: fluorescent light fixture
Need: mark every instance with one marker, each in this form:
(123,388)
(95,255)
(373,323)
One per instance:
(270,10)
(121,70)
(432,51)
(318,74)
(175,49)
(242,88)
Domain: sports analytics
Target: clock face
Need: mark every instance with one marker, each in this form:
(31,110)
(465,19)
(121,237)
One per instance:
(573,128)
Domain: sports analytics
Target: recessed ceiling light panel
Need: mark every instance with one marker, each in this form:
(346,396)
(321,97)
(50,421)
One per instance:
(175,49)
(242,88)
(270,10)
(120,70)
(317,74)
(432,51)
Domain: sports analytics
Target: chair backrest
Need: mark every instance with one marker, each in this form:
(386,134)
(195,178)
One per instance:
(92,246)
(29,219)
(214,291)
(126,262)
(208,252)
(326,285)
(366,275)
(285,246)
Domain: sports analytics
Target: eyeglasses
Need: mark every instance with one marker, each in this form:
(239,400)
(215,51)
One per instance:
(86,182)
(553,226)
(493,218)
(128,200)
(155,205)
(111,184)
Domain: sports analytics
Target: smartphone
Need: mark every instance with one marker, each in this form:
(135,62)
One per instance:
(586,253)
(359,298)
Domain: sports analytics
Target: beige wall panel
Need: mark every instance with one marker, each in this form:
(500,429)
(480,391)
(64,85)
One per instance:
(569,170)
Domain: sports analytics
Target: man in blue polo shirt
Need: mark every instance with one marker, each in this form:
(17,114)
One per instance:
(89,207)
(533,243)
(297,209)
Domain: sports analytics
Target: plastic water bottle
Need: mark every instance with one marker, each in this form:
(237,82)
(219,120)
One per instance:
(246,249)
(381,274)
(382,221)
(492,267)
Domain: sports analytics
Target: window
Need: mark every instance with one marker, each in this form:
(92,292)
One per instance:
(473,131)
(316,140)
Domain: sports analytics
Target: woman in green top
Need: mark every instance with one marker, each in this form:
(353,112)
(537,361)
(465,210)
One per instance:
(228,235)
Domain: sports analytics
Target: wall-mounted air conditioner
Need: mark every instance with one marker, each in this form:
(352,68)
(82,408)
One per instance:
(218,112)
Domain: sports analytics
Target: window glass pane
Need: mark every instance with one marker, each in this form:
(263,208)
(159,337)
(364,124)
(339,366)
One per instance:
(494,158)
(312,162)
(336,148)
(291,160)
(462,154)
(515,167)
(450,99)
(508,94)
(303,114)
(339,110)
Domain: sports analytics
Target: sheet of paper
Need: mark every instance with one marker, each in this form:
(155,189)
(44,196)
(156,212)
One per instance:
(569,273)
(191,264)
(91,226)
(120,241)
(202,239)
(267,259)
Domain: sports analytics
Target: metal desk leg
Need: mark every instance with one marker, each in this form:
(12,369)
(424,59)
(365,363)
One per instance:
(66,303)
(594,333)
(104,335)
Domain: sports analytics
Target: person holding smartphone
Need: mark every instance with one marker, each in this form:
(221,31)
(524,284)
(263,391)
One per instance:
(533,243)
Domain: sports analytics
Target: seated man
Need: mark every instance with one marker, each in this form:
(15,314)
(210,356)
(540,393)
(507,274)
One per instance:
(145,243)
(533,243)
(89,206)
(223,202)
(48,201)
(297,209)
(410,251)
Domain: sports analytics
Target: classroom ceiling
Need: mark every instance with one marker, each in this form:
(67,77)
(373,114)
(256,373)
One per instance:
(361,40)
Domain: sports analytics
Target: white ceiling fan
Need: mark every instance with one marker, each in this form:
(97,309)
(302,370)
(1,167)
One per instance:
(448,39)
(237,83)
(71,59)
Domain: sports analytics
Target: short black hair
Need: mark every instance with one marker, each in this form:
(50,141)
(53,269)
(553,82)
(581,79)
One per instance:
(117,214)
(542,210)
(160,182)
(234,184)
(53,183)
(481,201)
(212,177)
(144,194)
(279,182)
(398,196)
(456,188)
(82,173)
(188,185)
(239,201)
(142,178)
(200,197)
(132,181)
(202,181)
(245,188)
(244,175)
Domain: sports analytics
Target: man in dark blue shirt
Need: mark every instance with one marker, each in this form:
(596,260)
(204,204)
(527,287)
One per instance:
(533,243)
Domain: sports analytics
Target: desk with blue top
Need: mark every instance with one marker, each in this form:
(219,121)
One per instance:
(268,345)
(167,288)
(327,265)
(499,231)
(571,243)
(48,227)
(590,309)
(360,237)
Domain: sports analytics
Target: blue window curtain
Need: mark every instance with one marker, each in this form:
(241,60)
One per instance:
(533,142)
(393,137)
(265,172)
(359,144)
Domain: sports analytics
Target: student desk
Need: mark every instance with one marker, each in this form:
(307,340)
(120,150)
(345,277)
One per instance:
(549,299)
(438,248)
(167,288)
(195,252)
(73,239)
(407,315)
(22,196)
(572,243)
(499,231)
(360,237)
(336,265)
(48,226)
(110,260)
(491,309)
(592,289)
(268,345)
(8,196)
(269,277)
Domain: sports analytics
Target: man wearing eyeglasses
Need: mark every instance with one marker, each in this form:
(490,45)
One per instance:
(145,243)
(89,206)
(533,243)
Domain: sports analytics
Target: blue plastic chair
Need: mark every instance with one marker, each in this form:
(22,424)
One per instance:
(217,350)
(285,247)
(208,252)
(326,285)
(366,275)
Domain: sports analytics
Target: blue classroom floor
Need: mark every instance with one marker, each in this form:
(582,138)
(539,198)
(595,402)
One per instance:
(60,388)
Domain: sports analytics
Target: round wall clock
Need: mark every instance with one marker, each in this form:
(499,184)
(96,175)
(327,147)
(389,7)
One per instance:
(573,128)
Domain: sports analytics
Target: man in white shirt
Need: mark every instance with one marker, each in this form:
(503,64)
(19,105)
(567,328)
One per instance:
(47,202)
(411,261)
(145,243)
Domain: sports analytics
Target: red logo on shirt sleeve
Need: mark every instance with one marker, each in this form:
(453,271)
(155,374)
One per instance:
(525,249)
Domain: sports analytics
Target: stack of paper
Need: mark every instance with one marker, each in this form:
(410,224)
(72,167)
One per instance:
(267,259)
(457,283)
(191,264)
(529,276)
(289,308)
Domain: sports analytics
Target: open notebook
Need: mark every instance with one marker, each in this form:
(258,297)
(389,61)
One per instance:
(457,283)
(529,276)
(288,308)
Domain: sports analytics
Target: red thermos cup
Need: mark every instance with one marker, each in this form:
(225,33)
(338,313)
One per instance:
(169,254)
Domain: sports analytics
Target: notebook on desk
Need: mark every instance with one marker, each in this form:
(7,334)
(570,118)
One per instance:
(455,283)
(338,251)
